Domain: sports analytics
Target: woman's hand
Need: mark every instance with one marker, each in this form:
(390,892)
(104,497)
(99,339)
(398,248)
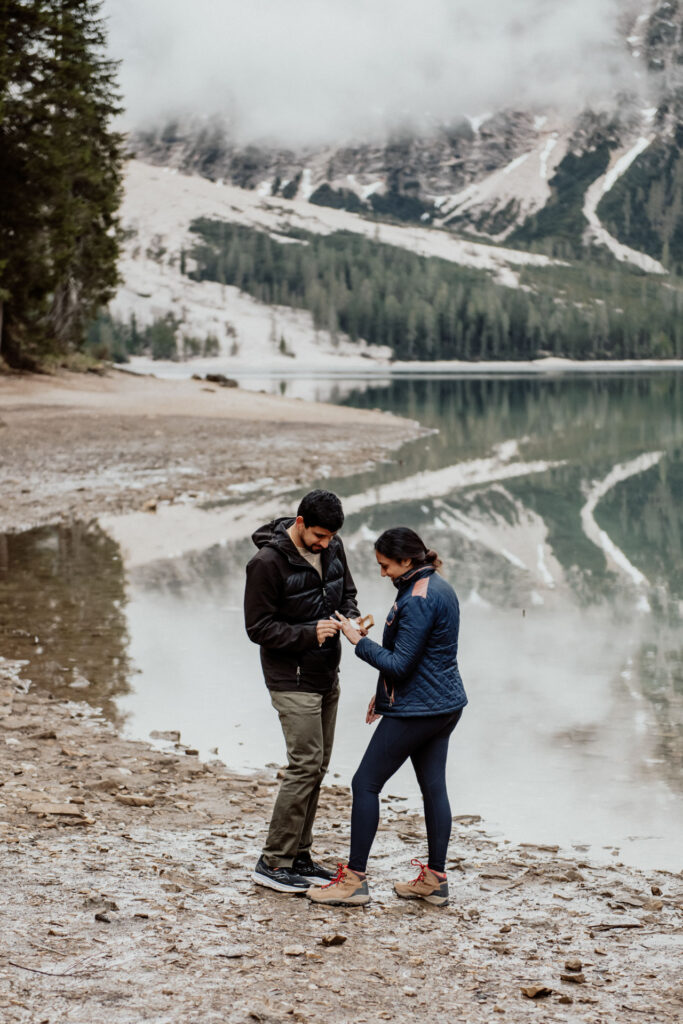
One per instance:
(371,716)
(348,629)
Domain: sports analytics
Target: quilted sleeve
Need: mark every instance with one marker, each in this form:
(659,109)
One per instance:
(414,628)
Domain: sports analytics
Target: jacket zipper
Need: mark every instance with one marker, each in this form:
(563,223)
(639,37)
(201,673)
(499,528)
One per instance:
(298,675)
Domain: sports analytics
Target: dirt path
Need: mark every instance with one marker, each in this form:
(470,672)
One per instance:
(126,897)
(81,446)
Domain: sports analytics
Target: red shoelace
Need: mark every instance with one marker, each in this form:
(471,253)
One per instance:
(339,877)
(423,867)
(423,870)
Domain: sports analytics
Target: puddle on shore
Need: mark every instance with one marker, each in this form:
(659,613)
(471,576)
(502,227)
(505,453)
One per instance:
(62,609)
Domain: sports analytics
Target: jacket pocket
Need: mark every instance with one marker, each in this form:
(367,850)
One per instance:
(389,696)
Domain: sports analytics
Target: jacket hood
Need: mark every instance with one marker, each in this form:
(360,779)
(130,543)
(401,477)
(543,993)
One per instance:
(274,532)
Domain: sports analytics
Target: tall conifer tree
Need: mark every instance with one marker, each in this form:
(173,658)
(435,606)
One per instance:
(60,174)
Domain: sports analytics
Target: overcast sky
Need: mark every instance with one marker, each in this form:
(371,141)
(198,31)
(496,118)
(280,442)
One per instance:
(329,70)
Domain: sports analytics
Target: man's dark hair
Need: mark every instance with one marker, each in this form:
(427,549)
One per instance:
(321,508)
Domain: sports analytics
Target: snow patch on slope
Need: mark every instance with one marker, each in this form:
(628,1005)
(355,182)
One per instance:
(249,333)
(160,206)
(618,166)
(475,122)
(157,210)
(523,182)
(545,155)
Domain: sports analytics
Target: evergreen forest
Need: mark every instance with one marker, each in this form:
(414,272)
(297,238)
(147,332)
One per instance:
(428,308)
(60,176)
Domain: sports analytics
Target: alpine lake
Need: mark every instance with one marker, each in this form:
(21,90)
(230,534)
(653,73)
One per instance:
(556,504)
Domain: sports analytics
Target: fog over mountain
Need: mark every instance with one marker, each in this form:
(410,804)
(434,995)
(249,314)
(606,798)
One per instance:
(311,71)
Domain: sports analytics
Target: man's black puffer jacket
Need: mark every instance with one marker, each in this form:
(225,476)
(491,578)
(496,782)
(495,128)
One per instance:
(284,599)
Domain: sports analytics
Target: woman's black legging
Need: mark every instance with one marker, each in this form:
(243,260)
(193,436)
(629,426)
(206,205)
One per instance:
(424,740)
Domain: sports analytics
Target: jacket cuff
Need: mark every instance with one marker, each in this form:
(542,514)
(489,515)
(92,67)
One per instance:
(309,636)
(362,646)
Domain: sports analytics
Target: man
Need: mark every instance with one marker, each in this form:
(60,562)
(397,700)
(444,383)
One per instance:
(295,582)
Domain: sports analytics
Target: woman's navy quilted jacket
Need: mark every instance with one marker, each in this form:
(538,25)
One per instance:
(418,659)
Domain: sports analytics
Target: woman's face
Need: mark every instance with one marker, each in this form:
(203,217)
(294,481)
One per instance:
(390,567)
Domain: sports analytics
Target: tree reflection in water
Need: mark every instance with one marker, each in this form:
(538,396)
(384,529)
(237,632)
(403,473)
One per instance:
(62,598)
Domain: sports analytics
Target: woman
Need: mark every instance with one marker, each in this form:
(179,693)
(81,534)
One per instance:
(419,698)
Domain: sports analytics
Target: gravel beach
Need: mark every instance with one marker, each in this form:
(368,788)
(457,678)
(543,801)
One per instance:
(127,897)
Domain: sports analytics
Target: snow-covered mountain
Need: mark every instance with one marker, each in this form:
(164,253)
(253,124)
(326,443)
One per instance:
(543,188)
(490,175)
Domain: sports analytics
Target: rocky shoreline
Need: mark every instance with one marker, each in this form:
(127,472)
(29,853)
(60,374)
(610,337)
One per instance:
(127,897)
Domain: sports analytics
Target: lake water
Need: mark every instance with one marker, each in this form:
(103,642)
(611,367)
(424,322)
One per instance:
(557,506)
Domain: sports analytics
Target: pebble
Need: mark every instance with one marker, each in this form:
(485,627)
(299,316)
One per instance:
(333,940)
(536,991)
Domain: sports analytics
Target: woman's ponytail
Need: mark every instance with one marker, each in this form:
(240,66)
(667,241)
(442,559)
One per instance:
(431,558)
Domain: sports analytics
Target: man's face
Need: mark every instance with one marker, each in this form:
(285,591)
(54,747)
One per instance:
(314,538)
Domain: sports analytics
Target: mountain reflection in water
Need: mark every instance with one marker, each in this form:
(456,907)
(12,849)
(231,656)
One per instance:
(556,505)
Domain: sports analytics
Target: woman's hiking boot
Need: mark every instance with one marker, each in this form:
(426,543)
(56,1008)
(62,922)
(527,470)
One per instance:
(428,886)
(347,889)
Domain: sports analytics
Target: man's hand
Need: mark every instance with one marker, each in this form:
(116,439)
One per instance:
(326,628)
(371,716)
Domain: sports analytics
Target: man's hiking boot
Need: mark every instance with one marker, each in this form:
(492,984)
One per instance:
(281,879)
(305,866)
(428,886)
(347,889)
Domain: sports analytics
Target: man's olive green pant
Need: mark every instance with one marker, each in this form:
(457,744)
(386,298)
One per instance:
(308,721)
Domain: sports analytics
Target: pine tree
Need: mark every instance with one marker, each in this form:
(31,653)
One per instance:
(60,163)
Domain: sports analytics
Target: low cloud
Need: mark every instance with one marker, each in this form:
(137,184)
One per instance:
(300,71)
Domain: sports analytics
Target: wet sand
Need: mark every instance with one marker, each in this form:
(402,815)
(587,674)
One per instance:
(127,897)
(81,446)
